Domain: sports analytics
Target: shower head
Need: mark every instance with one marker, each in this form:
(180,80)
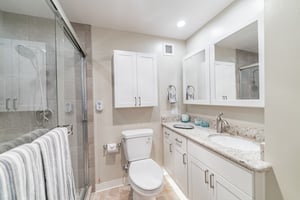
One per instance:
(25,52)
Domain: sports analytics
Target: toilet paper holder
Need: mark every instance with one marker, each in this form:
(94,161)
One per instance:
(118,146)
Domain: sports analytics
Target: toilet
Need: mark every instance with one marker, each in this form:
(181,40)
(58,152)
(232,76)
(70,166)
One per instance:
(145,175)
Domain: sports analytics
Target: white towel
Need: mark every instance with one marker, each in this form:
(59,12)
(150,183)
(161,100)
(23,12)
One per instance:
(57,164)
(12,164)
(35,182)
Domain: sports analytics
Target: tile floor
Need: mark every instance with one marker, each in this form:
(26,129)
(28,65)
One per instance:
(124,193)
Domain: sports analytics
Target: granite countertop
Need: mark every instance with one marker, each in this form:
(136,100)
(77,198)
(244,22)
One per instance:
(248,159)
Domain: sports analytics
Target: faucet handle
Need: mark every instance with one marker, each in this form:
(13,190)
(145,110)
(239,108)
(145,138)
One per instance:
(225,124)
(220,115)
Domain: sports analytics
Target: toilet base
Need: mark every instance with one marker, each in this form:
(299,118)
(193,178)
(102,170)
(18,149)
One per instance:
(136,196)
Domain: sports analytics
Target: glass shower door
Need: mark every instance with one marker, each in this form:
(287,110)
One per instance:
(70,81)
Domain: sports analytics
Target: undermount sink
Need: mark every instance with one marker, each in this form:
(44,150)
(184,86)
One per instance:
(234,142)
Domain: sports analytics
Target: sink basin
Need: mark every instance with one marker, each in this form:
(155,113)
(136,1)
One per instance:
(234,142)
(183,126)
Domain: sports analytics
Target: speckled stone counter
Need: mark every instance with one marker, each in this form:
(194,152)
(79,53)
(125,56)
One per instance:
(248,159)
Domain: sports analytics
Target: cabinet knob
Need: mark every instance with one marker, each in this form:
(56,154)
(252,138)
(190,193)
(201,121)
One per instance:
(184,159)
(170,148)
(206,176)
(179,141)
(15,103)
(211,180)
(7,100)
(135,101)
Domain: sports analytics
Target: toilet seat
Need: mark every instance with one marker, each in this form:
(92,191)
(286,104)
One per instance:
(146,177)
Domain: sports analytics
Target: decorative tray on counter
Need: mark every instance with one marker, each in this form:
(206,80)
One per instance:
(183,126)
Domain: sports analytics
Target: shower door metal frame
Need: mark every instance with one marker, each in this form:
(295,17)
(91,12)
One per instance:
(70,33)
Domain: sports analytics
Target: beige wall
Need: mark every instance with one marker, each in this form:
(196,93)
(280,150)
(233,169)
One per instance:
(236,15)
(282,47)
(110,122)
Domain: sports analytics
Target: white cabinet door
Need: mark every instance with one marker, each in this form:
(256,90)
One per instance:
(180,162)
(125,79)
(5,73)
(168,152)
(223,190)
(225,80)
(29,76)
(198,175)
(180,169)
(146,80)
(135,79)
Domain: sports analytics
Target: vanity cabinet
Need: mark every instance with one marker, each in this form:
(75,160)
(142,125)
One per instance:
(175,158)
(214,178)
(135,79)
(206,175)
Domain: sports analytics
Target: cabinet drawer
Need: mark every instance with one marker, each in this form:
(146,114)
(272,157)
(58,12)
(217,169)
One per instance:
(238,176)
(179,141)
(167,134)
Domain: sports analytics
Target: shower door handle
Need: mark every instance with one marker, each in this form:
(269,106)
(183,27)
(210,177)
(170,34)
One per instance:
(15,103)
(7,104)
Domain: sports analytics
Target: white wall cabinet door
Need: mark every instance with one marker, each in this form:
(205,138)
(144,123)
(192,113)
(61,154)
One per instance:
(5,73)
(135,79)
(198,175)
(22,75)
(146,80)
(125,79)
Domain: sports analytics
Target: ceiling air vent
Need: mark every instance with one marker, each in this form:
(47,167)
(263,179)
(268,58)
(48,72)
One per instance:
(168,49)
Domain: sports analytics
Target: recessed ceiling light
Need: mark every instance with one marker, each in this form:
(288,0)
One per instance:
(180,23)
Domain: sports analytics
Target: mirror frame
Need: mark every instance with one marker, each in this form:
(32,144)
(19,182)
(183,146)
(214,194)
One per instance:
(241,102)
(207,61)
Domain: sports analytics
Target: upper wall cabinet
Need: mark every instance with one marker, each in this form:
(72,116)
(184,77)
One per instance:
(22,75)
(230,72)
(237,70)
(135,79)
(196,78)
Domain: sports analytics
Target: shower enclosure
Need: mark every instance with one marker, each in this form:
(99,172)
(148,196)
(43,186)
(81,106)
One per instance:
(42,77)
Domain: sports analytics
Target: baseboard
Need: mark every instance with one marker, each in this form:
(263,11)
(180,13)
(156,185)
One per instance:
(111,184)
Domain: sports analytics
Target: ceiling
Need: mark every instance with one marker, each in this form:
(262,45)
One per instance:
(153,17)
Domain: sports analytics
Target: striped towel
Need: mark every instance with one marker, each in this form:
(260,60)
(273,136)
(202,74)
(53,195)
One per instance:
(58,170)
(21,174)
(13,181)
(26,138)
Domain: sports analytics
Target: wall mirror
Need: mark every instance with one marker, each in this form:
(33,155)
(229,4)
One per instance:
(236,71)
(196,88)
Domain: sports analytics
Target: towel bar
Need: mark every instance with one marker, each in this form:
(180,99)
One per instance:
(69,127)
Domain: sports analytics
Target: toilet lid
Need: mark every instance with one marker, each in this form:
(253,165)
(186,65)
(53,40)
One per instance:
(146,174)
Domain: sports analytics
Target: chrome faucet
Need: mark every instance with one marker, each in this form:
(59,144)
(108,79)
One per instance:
(221,124)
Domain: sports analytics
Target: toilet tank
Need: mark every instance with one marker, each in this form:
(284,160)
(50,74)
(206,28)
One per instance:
(137,144)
